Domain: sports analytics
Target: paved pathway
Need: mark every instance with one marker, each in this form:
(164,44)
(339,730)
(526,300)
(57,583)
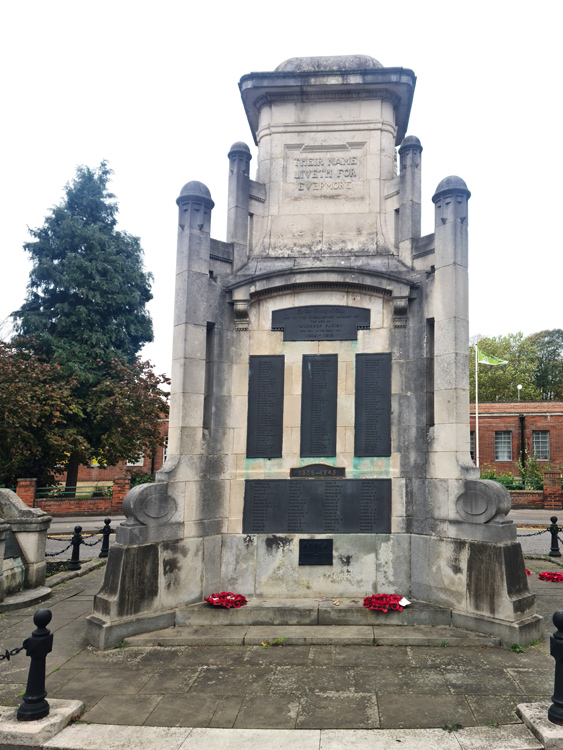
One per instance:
(299,687)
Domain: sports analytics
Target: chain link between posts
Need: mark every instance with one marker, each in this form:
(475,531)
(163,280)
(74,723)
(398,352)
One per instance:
(535,533)
(93,544)
(8,654)
(69,545)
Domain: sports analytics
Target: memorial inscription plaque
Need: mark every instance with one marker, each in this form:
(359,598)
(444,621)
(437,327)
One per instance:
(265,407)
(328,506)
(317,471)
(372,434)
(315,551)
(318,405)
(321,322)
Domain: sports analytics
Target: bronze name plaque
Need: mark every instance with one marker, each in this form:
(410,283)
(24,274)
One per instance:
(265,407)
(315,551)
(372,433)
(318,405)
(321,322)
(331,506)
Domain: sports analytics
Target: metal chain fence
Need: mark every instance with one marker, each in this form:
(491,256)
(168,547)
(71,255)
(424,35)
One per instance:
(8,654)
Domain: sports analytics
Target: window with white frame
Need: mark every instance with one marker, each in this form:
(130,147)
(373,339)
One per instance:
(138,462)
(165,449)
(472,445)
(503,446)
(540,445)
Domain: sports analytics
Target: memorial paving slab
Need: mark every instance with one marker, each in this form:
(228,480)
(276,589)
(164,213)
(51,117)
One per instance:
(287,687)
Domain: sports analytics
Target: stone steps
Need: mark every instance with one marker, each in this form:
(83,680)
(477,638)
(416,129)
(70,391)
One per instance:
(263,611)
(300,635)
(312,622)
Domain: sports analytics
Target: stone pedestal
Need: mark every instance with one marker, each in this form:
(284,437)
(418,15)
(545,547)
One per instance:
(319,421)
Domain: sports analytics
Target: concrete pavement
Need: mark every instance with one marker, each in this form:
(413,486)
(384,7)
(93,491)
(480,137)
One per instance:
(332,694)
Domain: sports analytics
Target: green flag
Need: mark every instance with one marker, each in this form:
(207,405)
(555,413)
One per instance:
(486,359)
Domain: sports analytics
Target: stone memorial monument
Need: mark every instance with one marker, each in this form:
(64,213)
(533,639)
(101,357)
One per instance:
(319,421)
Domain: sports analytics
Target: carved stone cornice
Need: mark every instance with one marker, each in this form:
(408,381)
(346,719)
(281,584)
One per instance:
(391,286)
(343,286)
(416,256)
(327,96)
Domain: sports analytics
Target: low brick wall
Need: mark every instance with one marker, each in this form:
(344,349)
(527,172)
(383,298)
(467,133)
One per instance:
(75,506)
(527,499)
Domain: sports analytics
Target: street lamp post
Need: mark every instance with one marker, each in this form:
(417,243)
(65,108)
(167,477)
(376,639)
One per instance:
(519,389)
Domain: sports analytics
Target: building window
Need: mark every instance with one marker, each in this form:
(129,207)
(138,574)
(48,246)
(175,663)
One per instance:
(472,445)
(138,462)
(503,446)
(540,445)
(165,449)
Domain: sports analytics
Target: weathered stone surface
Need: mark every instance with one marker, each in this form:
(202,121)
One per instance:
(534,716)
(36,733)
(326,280)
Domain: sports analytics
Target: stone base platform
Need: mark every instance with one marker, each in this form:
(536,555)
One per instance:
(279,612)
(534,716)
(311,635)
(25,598)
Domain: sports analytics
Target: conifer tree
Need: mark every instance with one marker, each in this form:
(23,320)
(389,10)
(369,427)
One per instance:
(87,289)
(85,312)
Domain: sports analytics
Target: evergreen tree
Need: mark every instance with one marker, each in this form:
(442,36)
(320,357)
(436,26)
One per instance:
(87,289)
(85,312)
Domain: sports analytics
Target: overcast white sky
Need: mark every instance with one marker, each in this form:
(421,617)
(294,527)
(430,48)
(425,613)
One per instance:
(152,88)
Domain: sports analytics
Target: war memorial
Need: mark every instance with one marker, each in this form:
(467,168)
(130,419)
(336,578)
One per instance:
(319,440)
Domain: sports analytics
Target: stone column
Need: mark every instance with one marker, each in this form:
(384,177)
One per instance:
(237,212)
(552,490)
(410,153)
(449,438)
(190,321)
(25,490)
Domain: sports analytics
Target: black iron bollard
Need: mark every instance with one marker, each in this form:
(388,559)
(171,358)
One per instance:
(74,562)
(555,712)
(554,529)
(106,531)
(38,645)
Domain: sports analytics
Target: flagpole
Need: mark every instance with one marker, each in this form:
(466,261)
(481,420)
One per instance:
(476,407)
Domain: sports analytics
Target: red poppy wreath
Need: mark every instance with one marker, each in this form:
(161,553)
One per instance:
(385,602)
(226,599)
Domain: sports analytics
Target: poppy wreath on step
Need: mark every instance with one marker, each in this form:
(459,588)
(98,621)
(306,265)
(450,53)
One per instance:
(549,576)
(528,572)
(383,602)
(226,599)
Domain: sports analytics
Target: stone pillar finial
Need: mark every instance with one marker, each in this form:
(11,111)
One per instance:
(450,201)
(237,212)
(195,206)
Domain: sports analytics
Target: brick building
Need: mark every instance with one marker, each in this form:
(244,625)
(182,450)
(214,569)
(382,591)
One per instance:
(505,427)
(147,464)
